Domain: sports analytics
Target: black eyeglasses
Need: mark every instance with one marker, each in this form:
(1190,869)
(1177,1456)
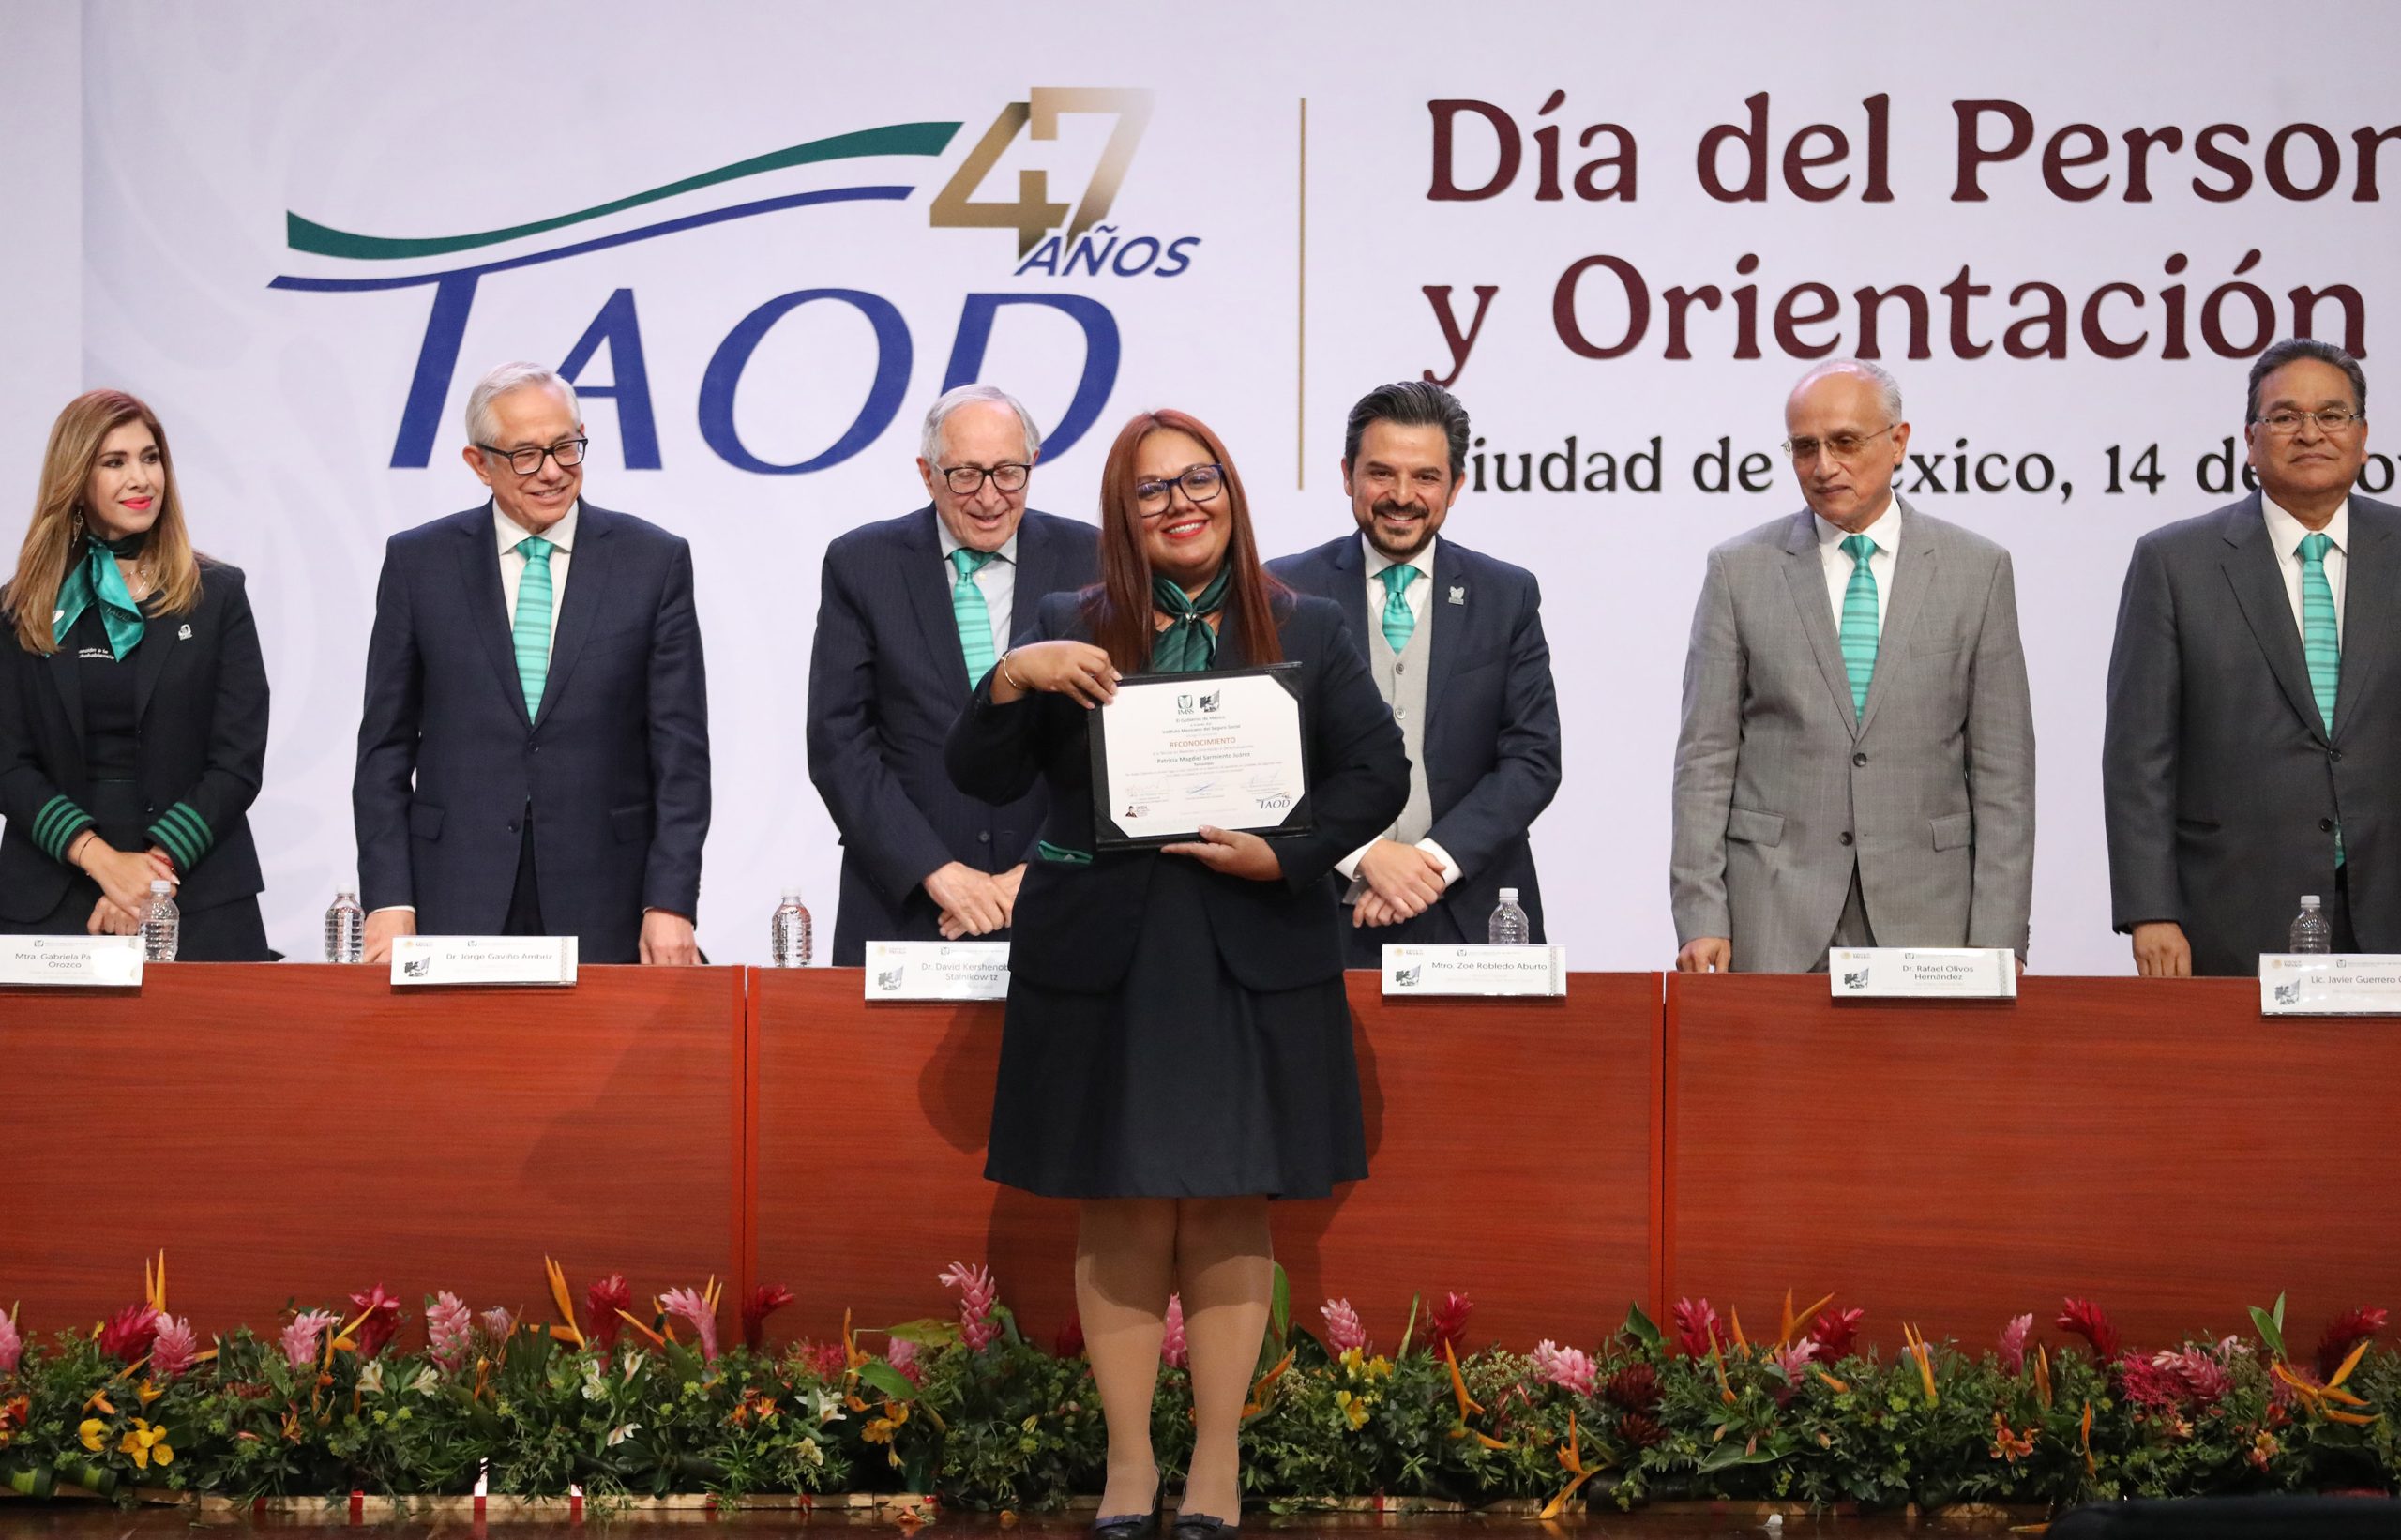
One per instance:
(967,480)
(1200,483)
(526,462)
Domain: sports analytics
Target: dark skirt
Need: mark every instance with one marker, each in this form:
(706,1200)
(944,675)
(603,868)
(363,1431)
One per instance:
(1181,1084)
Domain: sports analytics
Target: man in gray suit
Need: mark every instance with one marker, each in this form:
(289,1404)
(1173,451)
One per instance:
(1856,766)
(2253,751)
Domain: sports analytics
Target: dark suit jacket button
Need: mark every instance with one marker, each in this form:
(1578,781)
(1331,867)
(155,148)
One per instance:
(512,828)
(1859,759)
(2335,754)
(1845,836)
(2325,826)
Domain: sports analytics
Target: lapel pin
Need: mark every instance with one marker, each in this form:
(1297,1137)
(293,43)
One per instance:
(1458,594)
(183,634)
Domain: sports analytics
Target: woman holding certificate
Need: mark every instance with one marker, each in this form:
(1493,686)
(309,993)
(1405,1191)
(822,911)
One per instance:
(1178,1045)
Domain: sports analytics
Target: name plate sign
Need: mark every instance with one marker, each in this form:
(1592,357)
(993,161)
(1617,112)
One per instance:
(937,970)
(548,962)
(2329,984)
(1922,973)
(1540,971)
(88,962)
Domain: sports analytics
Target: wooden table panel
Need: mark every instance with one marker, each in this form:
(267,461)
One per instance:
(304,1131)
(2153,1144)
(1510,1143)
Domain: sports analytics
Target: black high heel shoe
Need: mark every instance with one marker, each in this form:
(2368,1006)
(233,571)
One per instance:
(1200,1526)
(1133,1526)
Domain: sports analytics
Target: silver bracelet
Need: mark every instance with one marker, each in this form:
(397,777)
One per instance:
(1010,678)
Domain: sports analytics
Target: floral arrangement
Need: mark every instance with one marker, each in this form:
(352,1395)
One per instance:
(614,1402)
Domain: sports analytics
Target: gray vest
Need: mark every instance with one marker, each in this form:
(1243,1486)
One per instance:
(1401,681)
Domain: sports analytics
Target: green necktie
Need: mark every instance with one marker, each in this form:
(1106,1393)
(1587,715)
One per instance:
(530,632)
(2321,641)
(967,608)
(1859,622)
(1400,620)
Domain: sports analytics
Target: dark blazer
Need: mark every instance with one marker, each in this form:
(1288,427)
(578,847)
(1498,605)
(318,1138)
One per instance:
(616,767)
(886,678)
(200,697)
(1491,734)
(2221,782)
(1076,924)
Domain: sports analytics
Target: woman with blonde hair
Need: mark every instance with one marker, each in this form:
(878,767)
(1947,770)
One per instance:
(132,701)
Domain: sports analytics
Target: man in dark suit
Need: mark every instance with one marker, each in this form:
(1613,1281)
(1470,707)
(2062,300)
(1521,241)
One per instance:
(912,613)
(1455,641)
(2252,748)
(533,757)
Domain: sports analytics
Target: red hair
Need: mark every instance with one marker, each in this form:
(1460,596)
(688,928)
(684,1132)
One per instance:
(1119,608)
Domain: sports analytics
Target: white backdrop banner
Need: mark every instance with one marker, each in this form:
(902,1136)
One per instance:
(761,238)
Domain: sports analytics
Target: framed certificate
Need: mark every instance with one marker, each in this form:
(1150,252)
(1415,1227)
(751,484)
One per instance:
(1226,747)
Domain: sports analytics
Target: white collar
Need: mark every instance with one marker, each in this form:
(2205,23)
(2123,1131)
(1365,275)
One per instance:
(561,534)
(1885,531)
(1423,561)
(2284,531)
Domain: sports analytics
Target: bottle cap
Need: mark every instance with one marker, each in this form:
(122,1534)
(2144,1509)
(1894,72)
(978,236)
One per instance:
(2309,900)
(791,894)
(160,884)
(1508,895)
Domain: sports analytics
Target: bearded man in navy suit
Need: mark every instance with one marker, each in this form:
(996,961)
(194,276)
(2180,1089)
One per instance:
(533,755)
(1455,641)
(912,613)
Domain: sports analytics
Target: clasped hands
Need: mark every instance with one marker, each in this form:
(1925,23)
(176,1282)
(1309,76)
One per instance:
(125,877)
(1403,881)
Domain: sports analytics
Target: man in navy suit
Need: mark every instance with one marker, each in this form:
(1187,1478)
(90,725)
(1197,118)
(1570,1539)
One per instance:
(912,613)
(1455,641)
(534,757)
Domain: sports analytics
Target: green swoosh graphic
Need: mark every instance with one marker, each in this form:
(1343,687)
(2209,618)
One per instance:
(303,235)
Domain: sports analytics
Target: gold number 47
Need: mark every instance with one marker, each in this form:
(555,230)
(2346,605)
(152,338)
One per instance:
(1034,214)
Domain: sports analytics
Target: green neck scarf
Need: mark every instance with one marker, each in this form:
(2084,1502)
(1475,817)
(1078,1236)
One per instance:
(96,581)
(1188,644)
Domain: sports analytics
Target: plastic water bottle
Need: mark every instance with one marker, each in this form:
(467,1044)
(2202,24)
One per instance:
(1509,926)
(2311,932)
(789,938)
(345,929)
(160,922)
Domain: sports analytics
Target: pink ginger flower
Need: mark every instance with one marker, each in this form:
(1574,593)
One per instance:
(1569,1368)
(1343,1331)
(1793,1361)
(903,1355)
(2091,1322)
(449,1330)
(126,1335)
(13,1346)
(689,1304)
(1697,1327)
(498,1323)
(2204,1378)
(300,1337)
(978,1296)
(176,1349)
(1833,1332)
(1173,1349)
(380,1316)
(2013,1343)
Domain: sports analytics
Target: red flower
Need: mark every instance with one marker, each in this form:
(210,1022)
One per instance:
(2091,1322)
(1447,1324)
(824,1360)
(1834,1331)
(764,1300)
(128,1335)
(2347,1331)
(381,1319)
(1641,1430)
(1069,1343)
(1635,1387)
(1697,1327)
(2146,1383)
(602,1302)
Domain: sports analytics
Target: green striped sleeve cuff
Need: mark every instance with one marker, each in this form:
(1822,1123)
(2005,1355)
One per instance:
(184,835)
(57,824)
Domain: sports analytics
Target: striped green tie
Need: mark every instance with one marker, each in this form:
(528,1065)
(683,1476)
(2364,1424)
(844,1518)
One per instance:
(974,621)
(1859,622)
(2322,643)
(1399,621)
(530,632)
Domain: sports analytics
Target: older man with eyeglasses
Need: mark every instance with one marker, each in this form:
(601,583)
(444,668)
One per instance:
(533,752)
(912,613)
(2253,751)
(1856,763)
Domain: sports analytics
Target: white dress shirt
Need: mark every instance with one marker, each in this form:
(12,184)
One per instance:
(996,580)
(512,562)
(1886,533)
(1418,597)
(2284,535)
